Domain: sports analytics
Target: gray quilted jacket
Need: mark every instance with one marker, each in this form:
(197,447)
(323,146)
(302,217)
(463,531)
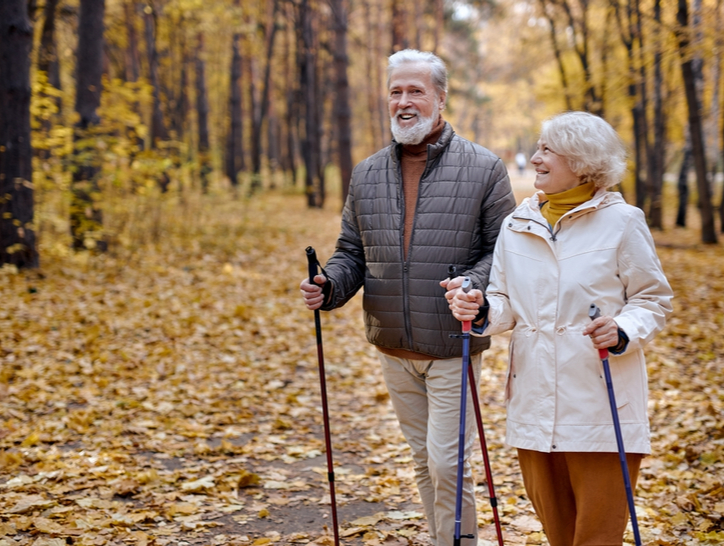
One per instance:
(464,196)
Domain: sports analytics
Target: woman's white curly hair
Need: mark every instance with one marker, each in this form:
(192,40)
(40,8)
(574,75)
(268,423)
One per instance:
(593,149)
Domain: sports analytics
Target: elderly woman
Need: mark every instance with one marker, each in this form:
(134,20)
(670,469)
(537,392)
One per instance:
(572,244)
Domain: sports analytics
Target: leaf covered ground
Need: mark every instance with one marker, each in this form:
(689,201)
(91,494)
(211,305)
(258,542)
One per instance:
(168,393)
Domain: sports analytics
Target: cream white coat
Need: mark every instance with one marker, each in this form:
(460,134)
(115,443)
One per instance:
(542,283)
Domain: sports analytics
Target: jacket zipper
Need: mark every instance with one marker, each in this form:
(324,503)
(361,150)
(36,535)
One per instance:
(405,280)
(406,261)
(547,226)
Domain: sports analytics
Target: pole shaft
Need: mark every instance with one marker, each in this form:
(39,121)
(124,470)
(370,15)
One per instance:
(621,450)
(486,458)
(312,266)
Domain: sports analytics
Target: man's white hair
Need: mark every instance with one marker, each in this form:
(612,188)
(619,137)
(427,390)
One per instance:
(438,70)
(593,149)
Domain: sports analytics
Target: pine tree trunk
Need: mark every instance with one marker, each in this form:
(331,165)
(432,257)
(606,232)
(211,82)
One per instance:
(399,26)
(439,10)
(682,183)
(308,79)
(658,152)
(260,112)
(708,233)
(202,113)
(292,113)
(342,111)
(133,70)
(17,237)
(86,217)
(47,53)
(557,54)
(158,128)
(234,146)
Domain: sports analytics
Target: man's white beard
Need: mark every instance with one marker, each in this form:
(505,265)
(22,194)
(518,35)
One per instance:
(416,133)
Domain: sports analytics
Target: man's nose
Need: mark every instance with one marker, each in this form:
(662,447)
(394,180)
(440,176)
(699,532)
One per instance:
(404,99)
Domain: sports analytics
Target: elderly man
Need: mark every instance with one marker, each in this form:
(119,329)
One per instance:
(429,200)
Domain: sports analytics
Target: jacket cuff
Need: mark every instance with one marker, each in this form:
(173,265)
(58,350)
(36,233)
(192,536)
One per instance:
(481,320)
(620,347)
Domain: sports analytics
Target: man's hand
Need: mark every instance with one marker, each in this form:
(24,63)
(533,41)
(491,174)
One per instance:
(312,293)
(603,332)
(464,306)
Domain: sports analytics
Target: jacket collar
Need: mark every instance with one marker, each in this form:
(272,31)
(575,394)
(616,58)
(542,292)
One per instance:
(529,209)
(433,150)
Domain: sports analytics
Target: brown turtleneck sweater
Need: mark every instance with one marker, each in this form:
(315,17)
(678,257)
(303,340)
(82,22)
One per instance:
(413,161)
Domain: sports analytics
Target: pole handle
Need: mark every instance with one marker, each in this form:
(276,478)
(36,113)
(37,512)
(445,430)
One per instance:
(593,313)
(312,263)
(466,287)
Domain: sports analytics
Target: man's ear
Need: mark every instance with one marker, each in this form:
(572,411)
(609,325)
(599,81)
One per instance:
(441,99)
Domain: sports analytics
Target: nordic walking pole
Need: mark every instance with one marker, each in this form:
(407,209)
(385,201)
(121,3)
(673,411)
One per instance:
(594,312)
(461,441)
(312,262)
(452,272)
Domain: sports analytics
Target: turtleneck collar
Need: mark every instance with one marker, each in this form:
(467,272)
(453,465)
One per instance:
(559,204)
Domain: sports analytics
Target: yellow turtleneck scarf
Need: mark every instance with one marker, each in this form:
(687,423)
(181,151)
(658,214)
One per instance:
(560,203)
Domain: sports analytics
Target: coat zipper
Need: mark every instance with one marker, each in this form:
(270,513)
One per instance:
(405,280)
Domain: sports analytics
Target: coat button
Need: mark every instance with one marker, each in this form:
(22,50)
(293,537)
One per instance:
(510,224)
(528,228)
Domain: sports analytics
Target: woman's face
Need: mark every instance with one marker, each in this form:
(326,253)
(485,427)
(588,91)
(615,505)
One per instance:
(552,173)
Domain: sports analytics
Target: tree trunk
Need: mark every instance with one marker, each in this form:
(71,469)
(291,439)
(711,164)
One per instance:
(439,9)
(419,24)
(708,233)
(47,53)
(643,107)
(272,147)
(658,152)
(133,70)
(158,128)
(399,26)
(47,63)
(234,146)
(202,113)
(682,183)
(342,111)
(292,99)
(181,106)
(557,54)
(308,79)
(380,82)
(86,218)
(259,113)
(17,237)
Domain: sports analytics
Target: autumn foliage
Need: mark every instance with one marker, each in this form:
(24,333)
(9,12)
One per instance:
(167,393)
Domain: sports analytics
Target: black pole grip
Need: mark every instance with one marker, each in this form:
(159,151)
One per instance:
(311,263)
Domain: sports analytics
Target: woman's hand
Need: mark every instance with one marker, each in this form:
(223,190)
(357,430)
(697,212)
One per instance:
(603,332)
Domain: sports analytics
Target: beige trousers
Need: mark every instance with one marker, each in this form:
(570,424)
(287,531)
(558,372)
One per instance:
(426,397)
(579,497)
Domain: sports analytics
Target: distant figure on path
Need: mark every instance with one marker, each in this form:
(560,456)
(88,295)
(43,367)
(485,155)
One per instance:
(520,160)
(572,244)
(429,200)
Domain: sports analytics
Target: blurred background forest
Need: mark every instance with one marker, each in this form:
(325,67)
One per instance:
(113,109)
